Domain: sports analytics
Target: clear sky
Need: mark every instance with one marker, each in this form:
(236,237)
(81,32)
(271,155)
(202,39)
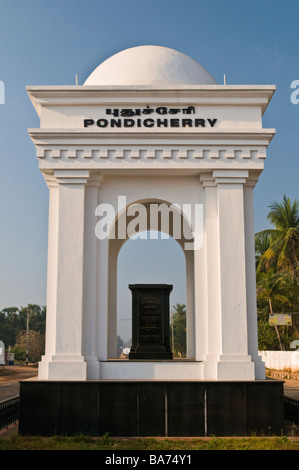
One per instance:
(48,42)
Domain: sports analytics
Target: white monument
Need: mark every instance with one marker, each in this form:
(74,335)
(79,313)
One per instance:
(151,126)
(150,132)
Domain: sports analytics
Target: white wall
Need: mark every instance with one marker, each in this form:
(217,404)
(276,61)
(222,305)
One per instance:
(281,360)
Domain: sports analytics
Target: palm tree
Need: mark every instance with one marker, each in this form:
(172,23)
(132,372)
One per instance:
(269,289)
(277,267)
(264,253)
(283,240)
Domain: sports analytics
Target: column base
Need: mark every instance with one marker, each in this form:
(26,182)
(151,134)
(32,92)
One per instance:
(260,368)
(68,368)
(231,367)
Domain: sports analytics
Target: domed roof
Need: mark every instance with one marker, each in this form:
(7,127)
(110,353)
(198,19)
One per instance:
(150,65)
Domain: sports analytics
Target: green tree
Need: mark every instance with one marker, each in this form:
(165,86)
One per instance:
(36,346)
(37,317)
(269,290)
(13,320)
(283,239)
(178,330)
(277,272)
(264,253)
(267,335)
(9,325)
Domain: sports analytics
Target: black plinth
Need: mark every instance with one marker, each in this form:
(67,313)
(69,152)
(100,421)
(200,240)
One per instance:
(150,322)
(139,408)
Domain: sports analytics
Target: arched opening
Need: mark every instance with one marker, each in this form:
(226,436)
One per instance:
(181,276)
(152,258)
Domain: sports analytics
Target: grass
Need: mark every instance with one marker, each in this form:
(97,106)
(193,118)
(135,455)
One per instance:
(16,442)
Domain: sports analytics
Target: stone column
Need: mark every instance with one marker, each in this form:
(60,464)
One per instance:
(66,334)
(251,278)
(227,355)
(90,280)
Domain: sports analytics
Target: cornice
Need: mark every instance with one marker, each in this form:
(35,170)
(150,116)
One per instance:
(193,136)
(220,95)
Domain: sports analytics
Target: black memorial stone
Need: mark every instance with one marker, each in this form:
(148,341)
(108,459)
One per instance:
(150,321)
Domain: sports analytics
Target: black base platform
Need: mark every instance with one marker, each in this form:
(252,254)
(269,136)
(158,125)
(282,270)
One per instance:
(135,408)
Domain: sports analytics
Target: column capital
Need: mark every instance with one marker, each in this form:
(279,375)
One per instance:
(95,179)
(50,180)
(76,177)
(207,180)
(71,176)
(230,176)
(251,181)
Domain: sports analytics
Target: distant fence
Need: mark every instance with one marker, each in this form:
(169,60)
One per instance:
(9,412)
(281,360)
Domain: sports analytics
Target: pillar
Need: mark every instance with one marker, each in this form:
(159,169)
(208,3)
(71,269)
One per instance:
(227,355)
(91,278)
(251,278)
(70,319)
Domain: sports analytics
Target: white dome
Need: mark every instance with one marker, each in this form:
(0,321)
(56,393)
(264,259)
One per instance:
(150,65)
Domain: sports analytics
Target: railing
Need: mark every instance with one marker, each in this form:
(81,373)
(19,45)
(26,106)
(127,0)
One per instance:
(9,412)
(291,410)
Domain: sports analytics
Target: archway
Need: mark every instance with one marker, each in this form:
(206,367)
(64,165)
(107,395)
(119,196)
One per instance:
(159,225)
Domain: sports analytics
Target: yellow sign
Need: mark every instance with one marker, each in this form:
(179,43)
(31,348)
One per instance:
(280,319)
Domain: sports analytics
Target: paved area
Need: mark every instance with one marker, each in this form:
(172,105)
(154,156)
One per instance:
(291,389)
(291,383)
(10,377)
(10,388)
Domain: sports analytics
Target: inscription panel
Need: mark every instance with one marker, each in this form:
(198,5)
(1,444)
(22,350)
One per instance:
(150,325)
(150,321)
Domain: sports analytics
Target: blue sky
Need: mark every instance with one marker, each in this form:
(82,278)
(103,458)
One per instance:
(45,42)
